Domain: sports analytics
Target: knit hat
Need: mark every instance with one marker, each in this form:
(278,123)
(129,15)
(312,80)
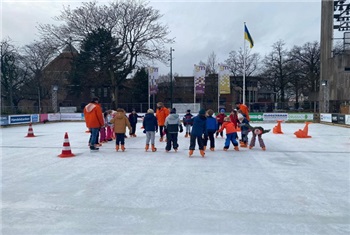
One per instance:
(150,111)
(173,110)
(188,110)
(222,110)
(201,112)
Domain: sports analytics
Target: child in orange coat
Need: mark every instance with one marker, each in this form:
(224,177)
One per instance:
(231,134)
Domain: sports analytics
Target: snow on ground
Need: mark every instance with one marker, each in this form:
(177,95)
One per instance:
(296,186)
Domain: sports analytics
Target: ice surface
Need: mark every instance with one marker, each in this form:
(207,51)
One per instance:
(296,186)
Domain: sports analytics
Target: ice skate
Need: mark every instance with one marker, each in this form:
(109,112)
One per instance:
(122,147)
(202,152)
(147,147)
(190,153)
(153,148)
(236,148)
(117,148)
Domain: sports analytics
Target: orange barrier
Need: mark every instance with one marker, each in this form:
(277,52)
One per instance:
(66,152)
(30,131)
(303,133)
(278,129)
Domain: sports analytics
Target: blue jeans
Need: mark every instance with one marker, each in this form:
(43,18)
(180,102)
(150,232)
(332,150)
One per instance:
(231,138)
(93,136)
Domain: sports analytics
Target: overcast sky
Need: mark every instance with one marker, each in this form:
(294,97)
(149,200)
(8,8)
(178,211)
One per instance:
(199,27)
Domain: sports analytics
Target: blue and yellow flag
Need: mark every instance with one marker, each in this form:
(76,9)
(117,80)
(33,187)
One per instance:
(248,37)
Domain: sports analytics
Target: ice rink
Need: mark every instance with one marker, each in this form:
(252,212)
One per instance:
(297,186)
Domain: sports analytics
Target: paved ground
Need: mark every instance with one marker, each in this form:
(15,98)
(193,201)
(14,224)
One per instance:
(297,186)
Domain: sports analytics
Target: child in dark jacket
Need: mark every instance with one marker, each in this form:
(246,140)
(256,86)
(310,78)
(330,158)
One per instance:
(212,126)
(133,116)
(198,130)
(172,126)
(188,122)
(243,123)
(150,124)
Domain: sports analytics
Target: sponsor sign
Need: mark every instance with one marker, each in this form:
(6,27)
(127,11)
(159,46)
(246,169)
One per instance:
(68,109)
(347,119)
(35,117)
(18,119)
(71,117)
(4,120)
(341,119)
(275,116)
(326,117)
(256,117)
(300,116)
(334,118)
(54,116)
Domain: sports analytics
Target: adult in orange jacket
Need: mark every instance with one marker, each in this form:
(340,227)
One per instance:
(161,114)
(231,134)
(94,121)
(244,109)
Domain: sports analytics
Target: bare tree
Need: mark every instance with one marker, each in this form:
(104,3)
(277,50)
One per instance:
(212,63)
(133,22)
(276,71)
(236,62)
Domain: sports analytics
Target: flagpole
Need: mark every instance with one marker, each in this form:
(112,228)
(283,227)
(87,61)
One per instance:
(244,54)
(219,89)
(149,90)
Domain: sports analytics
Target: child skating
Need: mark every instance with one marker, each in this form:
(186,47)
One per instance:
(231,134)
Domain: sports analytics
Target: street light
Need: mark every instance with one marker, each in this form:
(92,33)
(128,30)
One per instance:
(54,97)
(171,77)
(325,86)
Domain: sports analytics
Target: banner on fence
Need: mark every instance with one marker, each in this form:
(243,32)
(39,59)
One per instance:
(326,117)
(19,119)
(275,116)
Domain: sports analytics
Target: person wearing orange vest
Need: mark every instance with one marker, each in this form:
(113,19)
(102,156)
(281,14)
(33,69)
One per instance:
(231,134)
(94,121)
(161,114)
(244,110)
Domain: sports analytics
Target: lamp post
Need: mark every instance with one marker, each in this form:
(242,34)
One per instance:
(54,97)
(171,77)
(325,86)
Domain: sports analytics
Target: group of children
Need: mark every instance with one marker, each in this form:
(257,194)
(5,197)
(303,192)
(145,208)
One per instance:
(200,128)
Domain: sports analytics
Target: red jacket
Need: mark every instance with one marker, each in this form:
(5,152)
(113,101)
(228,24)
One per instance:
(93,116)
(220,117)
(234,119)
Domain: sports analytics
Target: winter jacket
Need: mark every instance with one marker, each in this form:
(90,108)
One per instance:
(93,116)
(244,124)
(188,119)
(173,124)
(150,122)
(244,110)
(229,126)
(234,119)
(212,124)
(133,118)
(199,126)
(161,114)
(220,117)
(120,122)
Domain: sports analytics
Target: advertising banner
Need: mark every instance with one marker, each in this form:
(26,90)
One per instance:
(152,79)
(275,116)
(54,116)
(224,79)
(300,117)
(334,118)
(341,118)
(326,117)
(19,119)
(35,118)
(71,117)
(199,79)
(4,120)
(256,117)
(347,119)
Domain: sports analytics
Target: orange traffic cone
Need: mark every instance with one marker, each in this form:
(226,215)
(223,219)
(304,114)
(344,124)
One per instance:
(277,129)
(303,133)
(66,152)
(30,131)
